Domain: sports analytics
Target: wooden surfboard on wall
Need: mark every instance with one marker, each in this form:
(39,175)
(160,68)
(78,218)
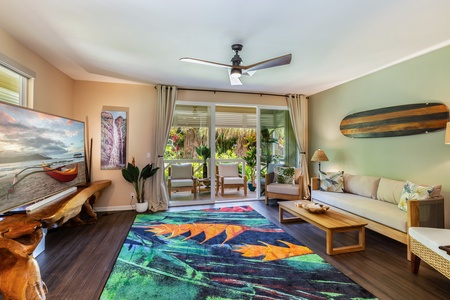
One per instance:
(396,121)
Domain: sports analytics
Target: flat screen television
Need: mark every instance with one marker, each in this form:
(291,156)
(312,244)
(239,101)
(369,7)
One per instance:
(40,155)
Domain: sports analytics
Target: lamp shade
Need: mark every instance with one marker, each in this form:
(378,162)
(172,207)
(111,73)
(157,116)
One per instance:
(319,156)
(447,133)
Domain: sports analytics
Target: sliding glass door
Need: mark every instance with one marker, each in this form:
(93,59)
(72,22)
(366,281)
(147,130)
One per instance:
(203,137)
(277,144)
(187,158)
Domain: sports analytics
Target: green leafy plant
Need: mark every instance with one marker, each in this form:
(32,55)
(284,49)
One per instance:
(204,152)
(137,179)
(250,158)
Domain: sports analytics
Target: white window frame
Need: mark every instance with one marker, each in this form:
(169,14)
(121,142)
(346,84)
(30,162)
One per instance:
(26,84)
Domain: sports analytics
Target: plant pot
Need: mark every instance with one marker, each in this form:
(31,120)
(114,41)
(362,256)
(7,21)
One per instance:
(251,187)
(205,170)
(141,207)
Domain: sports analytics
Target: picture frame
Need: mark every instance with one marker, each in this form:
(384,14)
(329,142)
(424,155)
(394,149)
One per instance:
(114,133)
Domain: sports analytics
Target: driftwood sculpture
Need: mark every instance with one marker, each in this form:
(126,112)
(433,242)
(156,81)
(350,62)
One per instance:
(20,277)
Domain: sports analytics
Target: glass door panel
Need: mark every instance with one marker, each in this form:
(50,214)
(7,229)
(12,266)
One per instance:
(235,143)
(187,155)
(277,144)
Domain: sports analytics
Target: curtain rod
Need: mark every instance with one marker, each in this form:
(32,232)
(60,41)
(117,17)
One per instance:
(232,92)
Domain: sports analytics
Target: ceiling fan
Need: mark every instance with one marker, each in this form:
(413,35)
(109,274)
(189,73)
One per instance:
(236,70)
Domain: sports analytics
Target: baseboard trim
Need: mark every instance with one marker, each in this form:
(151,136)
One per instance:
(114,208)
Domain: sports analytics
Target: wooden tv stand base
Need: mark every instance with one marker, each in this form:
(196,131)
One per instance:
(330,222)
(21,233)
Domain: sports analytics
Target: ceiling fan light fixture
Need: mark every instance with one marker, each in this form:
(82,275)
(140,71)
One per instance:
(236,73)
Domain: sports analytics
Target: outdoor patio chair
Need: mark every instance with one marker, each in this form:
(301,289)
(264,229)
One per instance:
(227,176)
(181,178)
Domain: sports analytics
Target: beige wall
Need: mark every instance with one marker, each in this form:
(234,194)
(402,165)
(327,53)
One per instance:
(90,97)
(53,90)
(419,158)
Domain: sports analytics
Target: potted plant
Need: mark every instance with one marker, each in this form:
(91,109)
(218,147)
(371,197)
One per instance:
(204,152)
(131,174)
(250,160)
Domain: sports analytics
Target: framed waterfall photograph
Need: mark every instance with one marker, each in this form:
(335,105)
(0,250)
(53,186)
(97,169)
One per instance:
(113,138)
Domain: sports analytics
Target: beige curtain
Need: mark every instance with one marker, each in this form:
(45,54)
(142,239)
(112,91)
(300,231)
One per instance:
(165,106)
(298,111)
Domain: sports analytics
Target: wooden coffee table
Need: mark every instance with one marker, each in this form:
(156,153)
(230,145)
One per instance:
(330,221)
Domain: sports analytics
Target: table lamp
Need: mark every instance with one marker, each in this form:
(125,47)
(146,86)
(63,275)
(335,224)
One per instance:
(319,156)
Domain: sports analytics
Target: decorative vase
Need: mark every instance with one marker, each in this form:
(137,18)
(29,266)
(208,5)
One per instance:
(205,170)
(141,207)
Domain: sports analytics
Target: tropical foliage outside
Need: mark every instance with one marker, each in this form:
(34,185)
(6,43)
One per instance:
(230,143)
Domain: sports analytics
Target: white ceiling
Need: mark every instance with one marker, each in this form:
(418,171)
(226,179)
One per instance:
(331,41)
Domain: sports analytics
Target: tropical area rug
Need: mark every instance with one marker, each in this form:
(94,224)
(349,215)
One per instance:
(221,253)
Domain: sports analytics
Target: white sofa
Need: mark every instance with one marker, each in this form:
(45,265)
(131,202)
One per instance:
(375,200)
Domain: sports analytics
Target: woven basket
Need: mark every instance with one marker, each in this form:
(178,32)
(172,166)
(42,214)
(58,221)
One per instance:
(430,257)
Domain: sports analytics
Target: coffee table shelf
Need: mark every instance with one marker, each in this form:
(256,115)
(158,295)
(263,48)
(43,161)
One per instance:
(330,222)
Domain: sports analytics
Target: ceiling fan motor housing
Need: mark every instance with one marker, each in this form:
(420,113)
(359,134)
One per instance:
(236,60)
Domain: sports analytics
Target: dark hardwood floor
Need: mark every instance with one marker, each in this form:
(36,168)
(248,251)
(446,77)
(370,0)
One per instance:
(77,260)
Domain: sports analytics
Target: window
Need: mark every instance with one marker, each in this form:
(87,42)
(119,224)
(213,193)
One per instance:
(15,82)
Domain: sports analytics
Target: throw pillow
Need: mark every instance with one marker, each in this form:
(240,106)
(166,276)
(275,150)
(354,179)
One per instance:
(285,175)
(413,191)
(332,181)
(297,173)
(273,168)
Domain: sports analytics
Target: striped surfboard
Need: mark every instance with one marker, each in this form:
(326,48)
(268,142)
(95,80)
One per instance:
(396,121)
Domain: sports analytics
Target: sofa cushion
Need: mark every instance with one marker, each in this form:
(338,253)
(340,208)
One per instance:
(285,175)
(283,188)
(436,190)
(181,171)
(230,170)
(297,173)
(332,181)
(382,212)
(181,183)
(361,185)
(390,190)
(413,191)
(233,180)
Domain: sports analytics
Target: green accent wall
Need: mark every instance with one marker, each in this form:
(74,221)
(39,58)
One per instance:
(423,158)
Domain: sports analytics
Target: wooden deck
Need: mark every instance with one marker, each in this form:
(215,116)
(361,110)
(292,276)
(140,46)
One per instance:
(205,195)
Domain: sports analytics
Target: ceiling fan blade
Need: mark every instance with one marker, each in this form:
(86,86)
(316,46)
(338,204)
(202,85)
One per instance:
(270,63)
(204,62)
(248,73)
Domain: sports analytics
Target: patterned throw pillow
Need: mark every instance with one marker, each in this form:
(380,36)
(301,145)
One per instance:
(413,191)
(332,181)
(285,175)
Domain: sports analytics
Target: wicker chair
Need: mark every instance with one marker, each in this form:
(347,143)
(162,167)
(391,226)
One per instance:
(424,245)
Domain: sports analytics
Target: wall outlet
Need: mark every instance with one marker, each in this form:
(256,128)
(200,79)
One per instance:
(132,196)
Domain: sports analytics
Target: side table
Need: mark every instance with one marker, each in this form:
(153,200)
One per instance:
(204,184)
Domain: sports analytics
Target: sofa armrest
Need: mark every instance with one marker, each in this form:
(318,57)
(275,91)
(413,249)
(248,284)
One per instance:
(426,213)
(315,183)
(300,186)
(269,178)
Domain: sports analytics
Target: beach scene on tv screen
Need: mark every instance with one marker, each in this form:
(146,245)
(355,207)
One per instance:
(40,155)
